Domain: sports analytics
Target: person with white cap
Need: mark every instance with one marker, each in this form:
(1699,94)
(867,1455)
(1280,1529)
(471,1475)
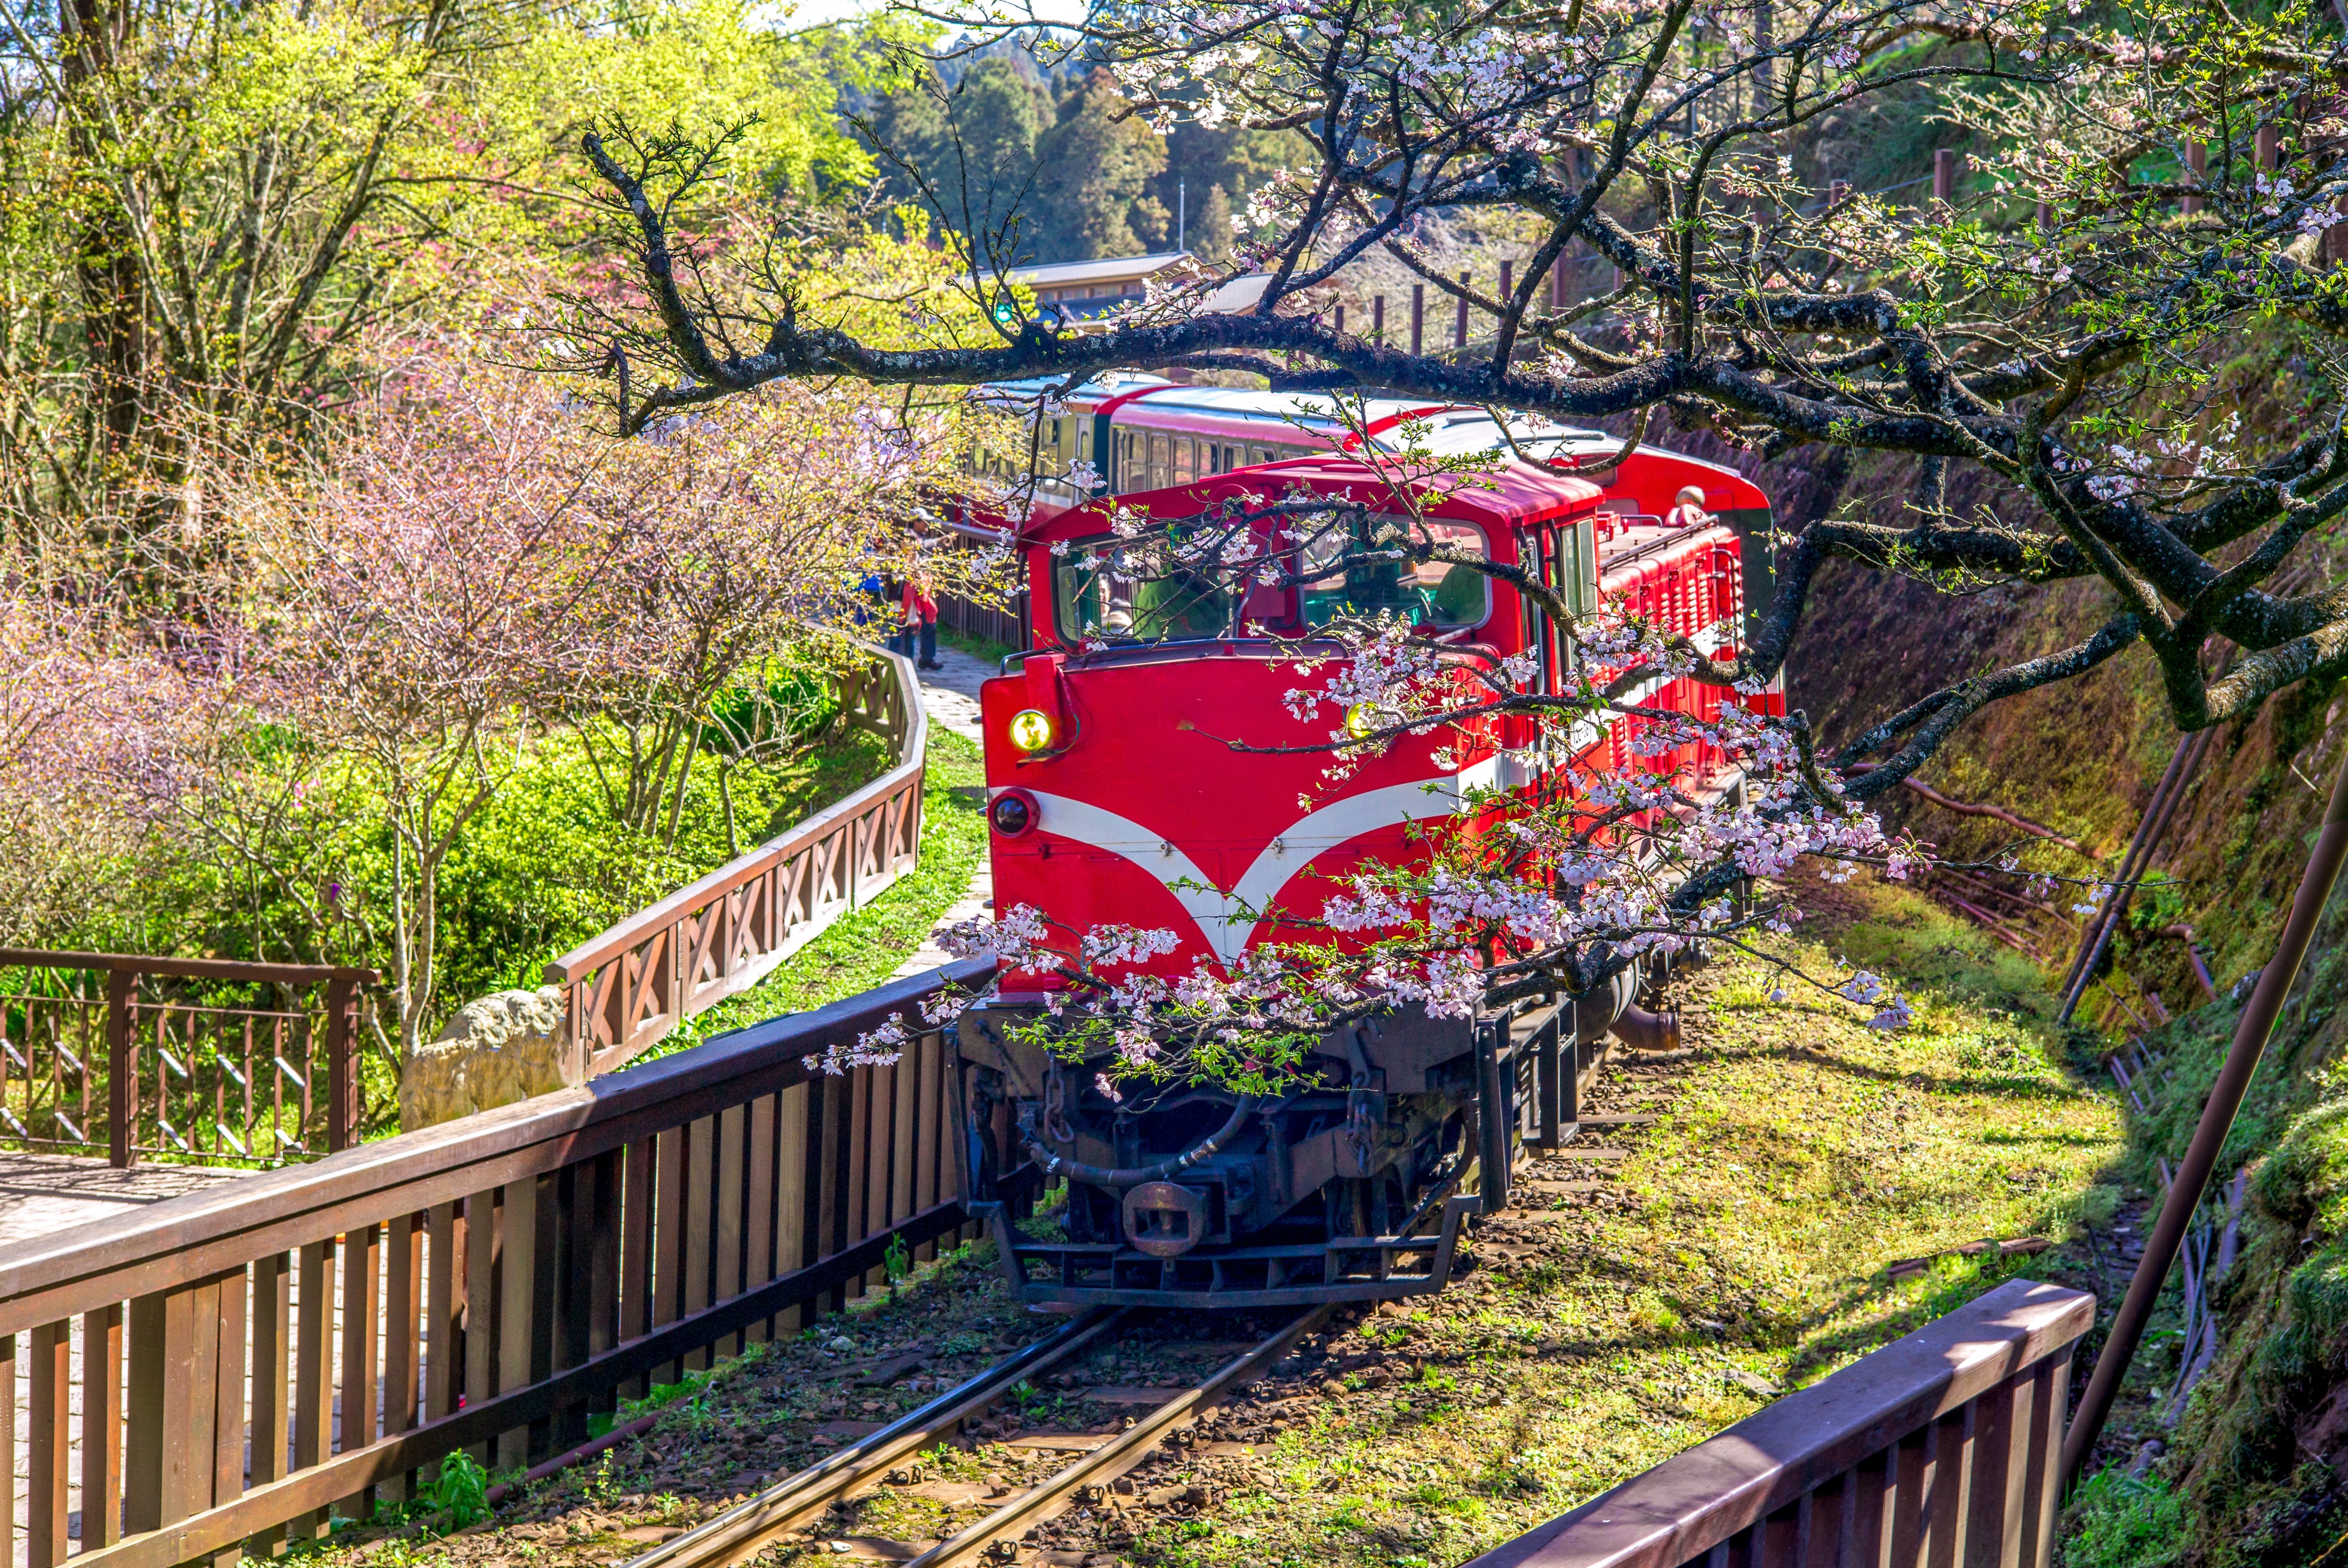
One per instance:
(1688,509)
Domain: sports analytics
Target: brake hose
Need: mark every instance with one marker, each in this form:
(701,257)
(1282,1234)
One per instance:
(1102,1177)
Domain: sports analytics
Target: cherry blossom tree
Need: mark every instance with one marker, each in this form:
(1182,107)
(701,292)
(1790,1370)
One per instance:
(2146,189)
(474,563)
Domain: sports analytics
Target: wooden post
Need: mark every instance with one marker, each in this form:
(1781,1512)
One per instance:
(341,1071)
(2045,217)
(1341,320)
(1838,192)
(1460,326)
(121,1082)
(9,1448)
(1557,283)
(1944,175)
(1378,320)
(1508,282)
(1417,318)
(50,1362)
(2268,149)
(101,1427)
(2197,172)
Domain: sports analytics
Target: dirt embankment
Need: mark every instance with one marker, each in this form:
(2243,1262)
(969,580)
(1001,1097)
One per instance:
(2256,1468)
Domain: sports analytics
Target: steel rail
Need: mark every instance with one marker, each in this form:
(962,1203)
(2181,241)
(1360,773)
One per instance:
(1121,1453)
(746,1527)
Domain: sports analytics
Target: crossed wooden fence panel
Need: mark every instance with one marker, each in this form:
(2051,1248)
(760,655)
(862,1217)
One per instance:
(630,986)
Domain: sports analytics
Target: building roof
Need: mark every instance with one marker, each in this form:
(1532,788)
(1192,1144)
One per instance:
(1108,269)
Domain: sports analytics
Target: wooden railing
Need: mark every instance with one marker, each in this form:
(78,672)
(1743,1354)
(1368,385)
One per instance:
(989,624)
(1942,1447)
(492,1281)
(231,1062)
(724,934)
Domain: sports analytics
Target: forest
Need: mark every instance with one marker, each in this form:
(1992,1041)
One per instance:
(445,448)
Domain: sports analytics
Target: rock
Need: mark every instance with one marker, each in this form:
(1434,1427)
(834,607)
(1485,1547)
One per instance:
(1752,1383)
(499,1051)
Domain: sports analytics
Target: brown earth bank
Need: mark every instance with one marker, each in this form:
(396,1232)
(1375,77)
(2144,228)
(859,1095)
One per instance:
(2231,1448)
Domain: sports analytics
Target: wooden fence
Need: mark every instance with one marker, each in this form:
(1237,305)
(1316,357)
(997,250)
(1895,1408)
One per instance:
(231,1062)
(722,935)
(1942,1447)
(491,1283)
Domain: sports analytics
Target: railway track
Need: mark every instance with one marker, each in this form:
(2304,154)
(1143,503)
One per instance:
(874,1462)
(742,1532)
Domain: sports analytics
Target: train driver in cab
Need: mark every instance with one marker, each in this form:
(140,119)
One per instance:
(1688,509)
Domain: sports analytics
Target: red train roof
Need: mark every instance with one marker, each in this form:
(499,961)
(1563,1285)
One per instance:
(1517,496)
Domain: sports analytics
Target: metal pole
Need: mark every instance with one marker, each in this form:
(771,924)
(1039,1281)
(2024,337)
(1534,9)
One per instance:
(2250,1034)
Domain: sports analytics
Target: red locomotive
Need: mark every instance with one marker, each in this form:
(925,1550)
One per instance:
(1114,799)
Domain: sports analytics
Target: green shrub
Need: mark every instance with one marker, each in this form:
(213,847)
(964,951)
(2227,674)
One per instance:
(2123,1521)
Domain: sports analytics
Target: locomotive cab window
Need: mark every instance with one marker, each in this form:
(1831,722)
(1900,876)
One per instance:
(1090,601)
(1429,593)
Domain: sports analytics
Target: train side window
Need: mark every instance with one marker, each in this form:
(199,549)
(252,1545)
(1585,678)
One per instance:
(1161,463)
(1430,593)
(1091,600)
(1184,466)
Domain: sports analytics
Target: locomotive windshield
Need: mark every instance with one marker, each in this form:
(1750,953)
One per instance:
(1434,593)
(1092,600)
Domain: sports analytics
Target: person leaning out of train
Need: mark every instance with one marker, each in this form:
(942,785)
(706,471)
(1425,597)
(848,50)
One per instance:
(1688,509)
(919,620)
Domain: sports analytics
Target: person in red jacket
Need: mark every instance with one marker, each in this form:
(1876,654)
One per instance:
(920,616)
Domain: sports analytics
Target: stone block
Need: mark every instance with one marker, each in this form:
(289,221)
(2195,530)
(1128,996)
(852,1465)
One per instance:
(504,1048)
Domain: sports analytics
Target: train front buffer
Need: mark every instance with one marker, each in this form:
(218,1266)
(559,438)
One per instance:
(1352,1187)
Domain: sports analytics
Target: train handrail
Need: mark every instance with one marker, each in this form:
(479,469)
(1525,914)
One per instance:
(718,935)
(1864,1457)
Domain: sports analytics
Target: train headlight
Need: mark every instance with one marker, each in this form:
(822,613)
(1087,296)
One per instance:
(1360,720)
(1031,729)
(1012,813)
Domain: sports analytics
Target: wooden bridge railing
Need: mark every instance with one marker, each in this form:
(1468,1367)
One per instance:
(229,1061)
(531,1262)
(722,935)
(1942,1447)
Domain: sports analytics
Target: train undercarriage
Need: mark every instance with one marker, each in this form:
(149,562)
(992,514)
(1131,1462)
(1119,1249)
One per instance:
(1354,1189)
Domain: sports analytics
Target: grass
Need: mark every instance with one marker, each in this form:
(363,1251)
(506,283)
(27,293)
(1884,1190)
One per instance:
(865,946)
(1744,1247)
(1804,1154)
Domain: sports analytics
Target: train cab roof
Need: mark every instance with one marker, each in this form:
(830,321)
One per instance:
(1515,496)
(1009,396)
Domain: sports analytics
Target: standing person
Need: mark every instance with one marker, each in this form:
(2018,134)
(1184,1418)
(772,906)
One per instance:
(892,600)
(1687,511)
(922,619)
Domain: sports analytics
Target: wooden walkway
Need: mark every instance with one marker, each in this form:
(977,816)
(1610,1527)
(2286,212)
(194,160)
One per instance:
(42,1194)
